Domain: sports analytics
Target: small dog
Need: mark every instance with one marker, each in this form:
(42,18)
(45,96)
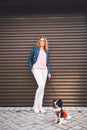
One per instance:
(59,112)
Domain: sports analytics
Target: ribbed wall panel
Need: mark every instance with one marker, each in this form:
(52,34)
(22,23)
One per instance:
(67,37)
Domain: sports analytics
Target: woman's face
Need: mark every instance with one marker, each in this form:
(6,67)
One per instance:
(42,42)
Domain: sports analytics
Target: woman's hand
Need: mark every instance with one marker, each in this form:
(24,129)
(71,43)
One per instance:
(49,76)
(32,70)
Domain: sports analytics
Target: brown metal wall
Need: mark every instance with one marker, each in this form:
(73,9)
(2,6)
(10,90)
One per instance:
(67,37)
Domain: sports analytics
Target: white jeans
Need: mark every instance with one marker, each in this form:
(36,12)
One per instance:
(40,77)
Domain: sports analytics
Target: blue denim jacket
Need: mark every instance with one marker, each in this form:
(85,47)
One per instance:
(34,55)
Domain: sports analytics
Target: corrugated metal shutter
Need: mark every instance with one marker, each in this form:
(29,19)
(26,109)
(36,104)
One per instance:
(67,37)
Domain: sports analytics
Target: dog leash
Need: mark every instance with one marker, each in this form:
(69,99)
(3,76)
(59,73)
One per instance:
(50,82)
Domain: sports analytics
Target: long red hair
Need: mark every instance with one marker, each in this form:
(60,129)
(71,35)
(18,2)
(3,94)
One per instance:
(46,43)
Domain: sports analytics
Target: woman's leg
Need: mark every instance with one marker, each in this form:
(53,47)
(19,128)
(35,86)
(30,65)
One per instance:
(40,76)
(44,77)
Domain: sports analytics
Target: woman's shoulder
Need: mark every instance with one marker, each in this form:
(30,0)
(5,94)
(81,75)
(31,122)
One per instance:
(35,47)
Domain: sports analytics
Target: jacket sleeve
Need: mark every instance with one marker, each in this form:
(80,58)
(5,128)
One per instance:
(30,59)
(48,66)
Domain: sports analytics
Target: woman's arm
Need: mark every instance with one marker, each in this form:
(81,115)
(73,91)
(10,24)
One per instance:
(30,60)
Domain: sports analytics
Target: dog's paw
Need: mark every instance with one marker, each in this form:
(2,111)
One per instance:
(68,118)
(56,121)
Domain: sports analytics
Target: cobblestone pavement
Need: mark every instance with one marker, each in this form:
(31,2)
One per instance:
(24,118)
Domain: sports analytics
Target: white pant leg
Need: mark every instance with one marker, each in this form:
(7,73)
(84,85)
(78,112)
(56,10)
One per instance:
(44,77)
(40,76)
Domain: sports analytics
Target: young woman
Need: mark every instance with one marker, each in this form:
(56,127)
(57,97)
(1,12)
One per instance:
(38,62)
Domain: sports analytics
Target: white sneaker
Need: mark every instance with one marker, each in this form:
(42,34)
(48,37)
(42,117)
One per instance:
(36,110)
(42,110)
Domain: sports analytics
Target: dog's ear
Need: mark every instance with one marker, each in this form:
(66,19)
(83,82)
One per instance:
(54,102)
(57,103)
(60,103)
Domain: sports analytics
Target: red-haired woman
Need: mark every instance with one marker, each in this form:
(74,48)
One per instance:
(38,62)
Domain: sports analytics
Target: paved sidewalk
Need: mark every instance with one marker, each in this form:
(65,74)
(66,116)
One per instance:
(24,118)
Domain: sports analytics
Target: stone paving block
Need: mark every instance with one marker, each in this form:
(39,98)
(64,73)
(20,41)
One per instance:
(28,108)
(64,127)
(17,109)
(0,123)
(38,126)
(13,125)
(28,127)
(77,127)
(18,122)
(58,128)
(2,119)
(8,114)
(6,108)
(4,115)
(11,108)
(2,108)
(47,124)
(84,108)
(72,108)
(84,113)
(33,128)
(83,125)
(71,124)
(5,128)
(78,108)
(23,108)
(48,108)
(51,127)
(67,108)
